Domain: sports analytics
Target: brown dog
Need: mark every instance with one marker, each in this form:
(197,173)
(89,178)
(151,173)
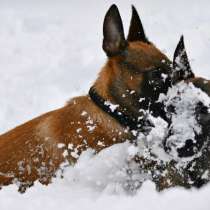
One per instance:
(131,80)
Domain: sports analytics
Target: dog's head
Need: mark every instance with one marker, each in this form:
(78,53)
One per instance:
(136,71)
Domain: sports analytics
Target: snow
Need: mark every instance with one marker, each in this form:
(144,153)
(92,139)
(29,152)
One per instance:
(184,97)
(111,106)
(50,52)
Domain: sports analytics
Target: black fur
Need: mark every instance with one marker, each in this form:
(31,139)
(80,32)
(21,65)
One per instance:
(114,39)
(182,69)
(136,30)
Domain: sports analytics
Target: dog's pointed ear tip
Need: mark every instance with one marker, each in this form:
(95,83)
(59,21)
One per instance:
(113,11)
(133,8)
(134,11)
(182,38)
(113,7)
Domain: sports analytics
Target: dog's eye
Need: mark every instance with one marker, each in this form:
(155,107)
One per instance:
(156,74)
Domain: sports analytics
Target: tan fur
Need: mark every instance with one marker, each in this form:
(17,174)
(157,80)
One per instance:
(145,55)
(33,150)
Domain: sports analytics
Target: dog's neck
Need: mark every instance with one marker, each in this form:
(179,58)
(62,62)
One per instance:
(115,111)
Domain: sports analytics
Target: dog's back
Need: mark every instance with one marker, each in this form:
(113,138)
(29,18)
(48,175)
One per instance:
(35,149)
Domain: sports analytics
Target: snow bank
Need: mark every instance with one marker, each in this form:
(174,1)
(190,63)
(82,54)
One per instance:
(95,182)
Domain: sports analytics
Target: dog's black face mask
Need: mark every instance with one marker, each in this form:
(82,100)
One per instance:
(159,79)
(156,81)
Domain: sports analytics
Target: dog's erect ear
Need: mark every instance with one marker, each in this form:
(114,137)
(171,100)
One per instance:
(136,30)
(181,62)
(114,39)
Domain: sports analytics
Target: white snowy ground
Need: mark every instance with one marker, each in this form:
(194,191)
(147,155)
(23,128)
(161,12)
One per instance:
(51,51)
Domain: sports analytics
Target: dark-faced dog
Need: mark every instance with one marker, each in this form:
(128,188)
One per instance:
(184,72)
(196,170)
(134,75)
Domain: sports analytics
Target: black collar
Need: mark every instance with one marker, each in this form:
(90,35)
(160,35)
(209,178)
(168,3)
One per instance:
(116,112)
